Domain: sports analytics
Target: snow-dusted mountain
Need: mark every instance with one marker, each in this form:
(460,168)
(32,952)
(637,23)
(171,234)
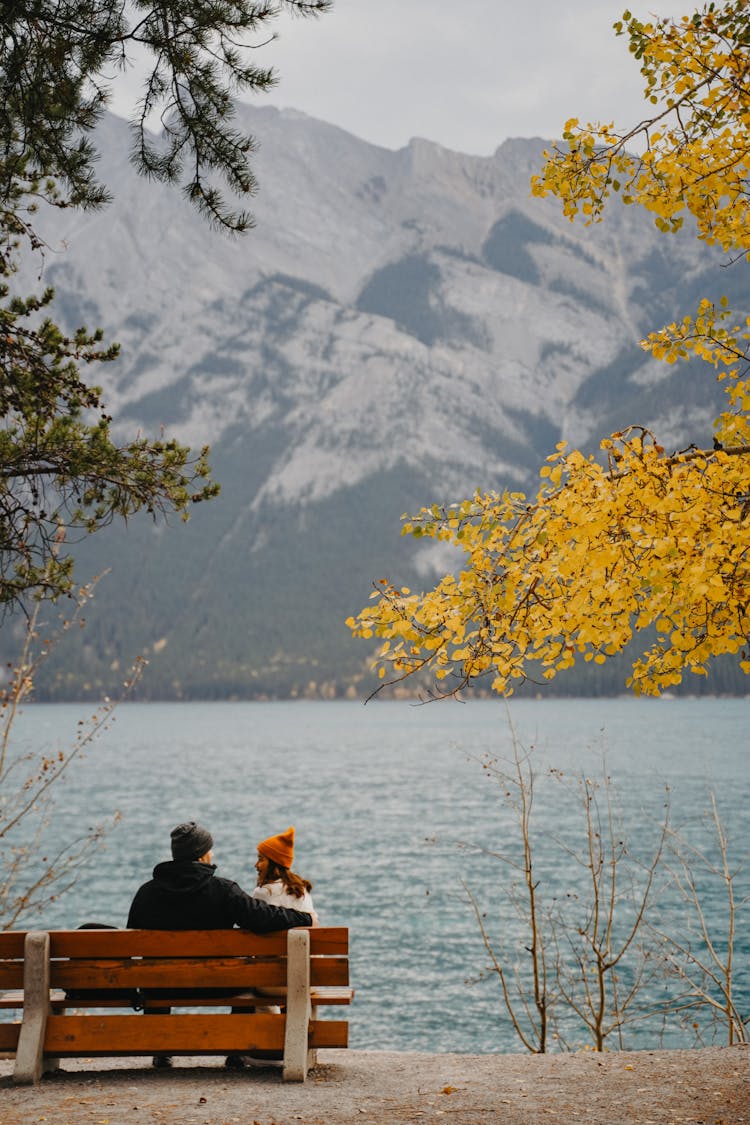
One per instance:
(399,328)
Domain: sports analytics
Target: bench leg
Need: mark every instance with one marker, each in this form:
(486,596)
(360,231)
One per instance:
(30,1052)
(312,1054)
(298,1008)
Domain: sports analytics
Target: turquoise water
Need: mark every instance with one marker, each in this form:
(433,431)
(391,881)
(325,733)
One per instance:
(383,797)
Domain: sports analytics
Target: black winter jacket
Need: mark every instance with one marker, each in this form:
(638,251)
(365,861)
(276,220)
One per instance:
(186,895)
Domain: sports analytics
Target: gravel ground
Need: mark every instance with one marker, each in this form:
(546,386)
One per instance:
(705,1087)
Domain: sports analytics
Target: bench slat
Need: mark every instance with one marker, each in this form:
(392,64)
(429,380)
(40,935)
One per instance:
(329,971)
(211,972)
(11,943)
(324,941)
(11,974)
(166,943)
(205,972)
(9,1033)
(169,1034)
(329,1033)
(70,1036)
(327,941)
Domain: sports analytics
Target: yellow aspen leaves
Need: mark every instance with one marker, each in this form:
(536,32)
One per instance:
(694,156)
(652,540)
(635,538)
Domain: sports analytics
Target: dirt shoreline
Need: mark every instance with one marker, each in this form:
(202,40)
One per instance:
(703,1087)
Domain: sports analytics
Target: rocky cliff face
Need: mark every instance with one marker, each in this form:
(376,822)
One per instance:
(400,328)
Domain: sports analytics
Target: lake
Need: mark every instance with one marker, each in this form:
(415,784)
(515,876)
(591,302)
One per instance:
(394,813)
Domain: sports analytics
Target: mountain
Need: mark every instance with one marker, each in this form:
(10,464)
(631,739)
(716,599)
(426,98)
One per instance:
(399,328)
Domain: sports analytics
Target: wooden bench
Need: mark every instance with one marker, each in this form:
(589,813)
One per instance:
(65,981)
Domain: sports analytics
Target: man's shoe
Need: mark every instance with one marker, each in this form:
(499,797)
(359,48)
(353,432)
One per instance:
(162,1062)
(254,1061)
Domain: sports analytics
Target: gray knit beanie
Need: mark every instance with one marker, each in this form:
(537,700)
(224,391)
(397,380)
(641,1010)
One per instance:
(190,841)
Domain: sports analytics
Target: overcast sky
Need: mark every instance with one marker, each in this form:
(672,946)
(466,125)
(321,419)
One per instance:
(465,73)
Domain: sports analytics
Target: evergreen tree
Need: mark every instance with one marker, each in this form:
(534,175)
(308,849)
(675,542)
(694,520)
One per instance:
(62,472)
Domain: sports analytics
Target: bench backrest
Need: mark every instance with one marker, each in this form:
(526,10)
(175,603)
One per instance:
(179,959)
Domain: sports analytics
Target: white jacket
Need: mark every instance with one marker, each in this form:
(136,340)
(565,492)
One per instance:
(277,894)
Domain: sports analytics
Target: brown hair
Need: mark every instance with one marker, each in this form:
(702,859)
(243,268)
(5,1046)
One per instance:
(293,883)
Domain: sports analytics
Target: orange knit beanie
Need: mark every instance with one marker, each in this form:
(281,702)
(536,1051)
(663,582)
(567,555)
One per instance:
(279,848)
